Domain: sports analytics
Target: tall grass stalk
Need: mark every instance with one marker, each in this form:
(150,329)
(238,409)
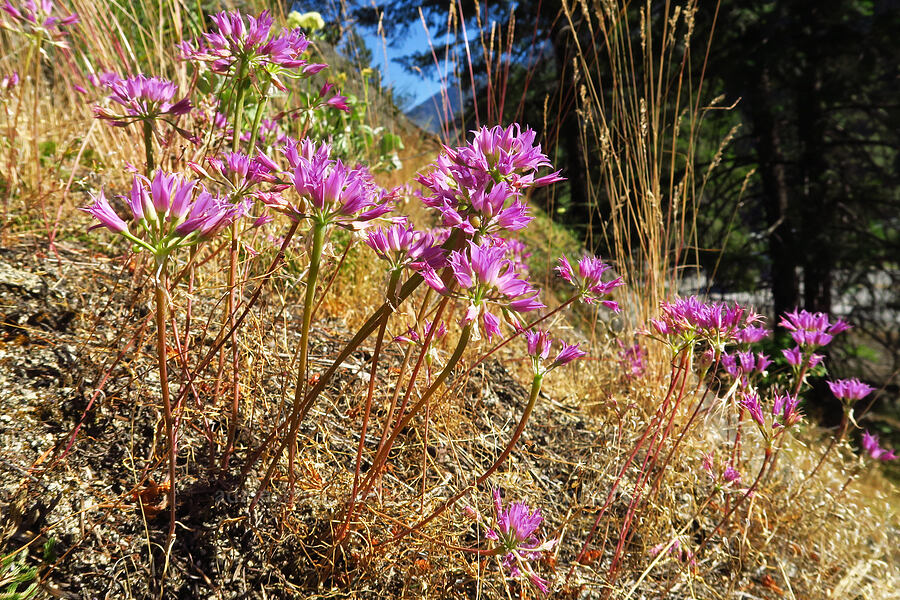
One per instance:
(646,123)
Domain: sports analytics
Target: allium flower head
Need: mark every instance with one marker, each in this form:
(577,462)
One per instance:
(329,192)
(539,343)
(403,246)
(36,19)
(268,134)
(744,365)
(589,279)
(249,42)
(812,330)
(785,411)
(515,531)
(689,319)
(849,391)
(479,187)
(631,360)
(731,475)
(874,450)
(239,172)
(142,98)
(486,277)
(166,209)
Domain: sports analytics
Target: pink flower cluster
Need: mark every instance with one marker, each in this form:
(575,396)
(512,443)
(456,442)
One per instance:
(744,365)
(724,477)
(9,82)
(142,98)
(486,277)
(539,343)
(849,391)
(37,19)
(238,44)
(631,360)
(479,187)
(688,320)
(783,415)
(329,192)
(402,246)
(589,280)
(812,330)
(874,450)
(515,530)
(809,332)
(167,209)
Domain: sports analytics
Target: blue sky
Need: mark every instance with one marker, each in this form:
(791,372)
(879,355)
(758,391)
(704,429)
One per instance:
(384,57)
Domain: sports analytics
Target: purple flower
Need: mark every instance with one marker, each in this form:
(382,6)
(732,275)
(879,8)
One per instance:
(486,276)
(515,531)
(142,98)
(9,82)
(743,365)
(338,102)
(166,210)
(103,212)
(240,172)
(689,319)
(731,475)
(589,279)
(567,355)
(249,41)
(480,186)
(785,410)
(812,330)
(750,402)
(412,336)
(516,525)
(539,342)
(874,450)
(403,246)
(330,193)
(37,20)
(208,215)
(796,357)
(631,360)
(849,391)
(752,334)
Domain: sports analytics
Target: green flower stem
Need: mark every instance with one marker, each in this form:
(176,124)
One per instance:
(315,259)
(257,119)
(520,428)
(161,316)
(148,146)
(238,112)
(381,456)
(392,297)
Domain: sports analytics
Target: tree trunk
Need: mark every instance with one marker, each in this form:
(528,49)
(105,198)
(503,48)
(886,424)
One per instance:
(817,246)
(782,246)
